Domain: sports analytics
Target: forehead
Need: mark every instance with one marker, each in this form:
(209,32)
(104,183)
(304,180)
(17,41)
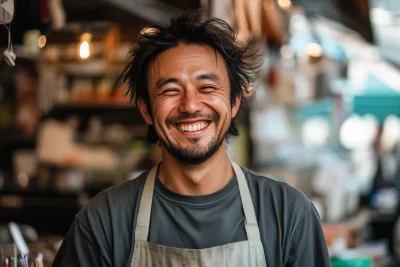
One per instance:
(187,59)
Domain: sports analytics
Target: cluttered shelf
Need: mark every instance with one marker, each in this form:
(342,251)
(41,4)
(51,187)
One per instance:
(108,112)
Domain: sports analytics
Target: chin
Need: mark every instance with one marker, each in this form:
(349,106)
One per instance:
(195,154)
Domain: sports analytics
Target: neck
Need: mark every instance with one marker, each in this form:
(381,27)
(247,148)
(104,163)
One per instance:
(196,180)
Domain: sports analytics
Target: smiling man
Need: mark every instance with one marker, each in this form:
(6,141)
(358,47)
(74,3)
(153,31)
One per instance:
(196,207)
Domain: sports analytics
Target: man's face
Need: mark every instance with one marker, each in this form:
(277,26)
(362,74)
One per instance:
(189,93)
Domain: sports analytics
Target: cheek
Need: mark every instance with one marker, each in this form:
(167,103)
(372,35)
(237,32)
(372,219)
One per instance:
(220,104)
(163,107)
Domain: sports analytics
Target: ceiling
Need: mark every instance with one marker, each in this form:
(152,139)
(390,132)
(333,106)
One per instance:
(131,15)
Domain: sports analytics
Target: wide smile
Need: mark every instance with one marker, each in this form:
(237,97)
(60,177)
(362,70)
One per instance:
(192,128)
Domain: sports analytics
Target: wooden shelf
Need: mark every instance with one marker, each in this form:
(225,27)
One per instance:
(123,113)
(15,137)
(91,68)
(93,105)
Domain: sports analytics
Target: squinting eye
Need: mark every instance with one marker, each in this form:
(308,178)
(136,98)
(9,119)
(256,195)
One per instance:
(207,88)
(171,91)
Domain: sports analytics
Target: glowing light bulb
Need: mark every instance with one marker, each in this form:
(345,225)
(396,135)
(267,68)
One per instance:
(85,46)
(84,50)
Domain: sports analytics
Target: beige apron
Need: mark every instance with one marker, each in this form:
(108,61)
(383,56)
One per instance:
(248,253)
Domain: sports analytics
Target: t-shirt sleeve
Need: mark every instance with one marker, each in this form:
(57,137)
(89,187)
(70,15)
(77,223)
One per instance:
(308,245)
(79,248)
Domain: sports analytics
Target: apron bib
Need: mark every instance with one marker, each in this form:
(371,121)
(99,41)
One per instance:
(248,253)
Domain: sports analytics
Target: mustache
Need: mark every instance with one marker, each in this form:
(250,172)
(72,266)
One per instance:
(185,116)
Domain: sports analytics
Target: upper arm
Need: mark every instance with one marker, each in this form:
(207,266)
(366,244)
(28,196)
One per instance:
(307,244)
(79,248)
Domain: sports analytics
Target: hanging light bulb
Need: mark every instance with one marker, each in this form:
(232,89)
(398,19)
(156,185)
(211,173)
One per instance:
(85,46)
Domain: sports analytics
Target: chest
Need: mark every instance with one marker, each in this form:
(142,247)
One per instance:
(197,226)
(203,226)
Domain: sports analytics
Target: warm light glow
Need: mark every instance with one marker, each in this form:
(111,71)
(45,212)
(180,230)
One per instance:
(285,4)
(42,41)
(85,46)
(86,36)
(314,50)
(84,50)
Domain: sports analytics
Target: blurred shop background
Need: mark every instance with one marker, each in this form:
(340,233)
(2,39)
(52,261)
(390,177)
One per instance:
(324,116)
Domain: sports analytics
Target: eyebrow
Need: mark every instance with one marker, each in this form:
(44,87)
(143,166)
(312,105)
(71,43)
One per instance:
(208,76)
(163,81)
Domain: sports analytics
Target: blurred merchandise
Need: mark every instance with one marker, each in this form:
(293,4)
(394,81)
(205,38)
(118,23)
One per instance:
(258,19)
(25,164)
(55,141)
(323,115)
(385,198)
(369,254)
(354,261)
(331,181)
(21,240)
(385,25)
(316,132)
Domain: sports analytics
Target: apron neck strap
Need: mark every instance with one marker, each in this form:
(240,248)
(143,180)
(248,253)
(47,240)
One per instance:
(252,230)
(143,219)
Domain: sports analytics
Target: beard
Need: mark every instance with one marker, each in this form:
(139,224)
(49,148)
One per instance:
(196,154)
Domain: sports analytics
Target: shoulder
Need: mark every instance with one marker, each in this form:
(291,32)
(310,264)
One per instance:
(277,195)
(113,201)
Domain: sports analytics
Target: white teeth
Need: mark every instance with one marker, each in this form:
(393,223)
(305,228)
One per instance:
(193,128)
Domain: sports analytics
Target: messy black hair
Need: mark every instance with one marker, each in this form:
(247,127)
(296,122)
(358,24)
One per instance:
(190,28)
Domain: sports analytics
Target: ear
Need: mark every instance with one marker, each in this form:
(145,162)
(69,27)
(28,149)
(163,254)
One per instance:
(236,106)
(144,111)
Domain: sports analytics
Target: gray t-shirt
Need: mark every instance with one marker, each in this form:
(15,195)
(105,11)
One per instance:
(103,231)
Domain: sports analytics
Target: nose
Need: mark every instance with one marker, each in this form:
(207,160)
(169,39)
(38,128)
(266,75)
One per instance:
(190,102)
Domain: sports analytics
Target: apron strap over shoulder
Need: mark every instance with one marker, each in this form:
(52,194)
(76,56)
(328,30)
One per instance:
(252,230)
(143,219)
